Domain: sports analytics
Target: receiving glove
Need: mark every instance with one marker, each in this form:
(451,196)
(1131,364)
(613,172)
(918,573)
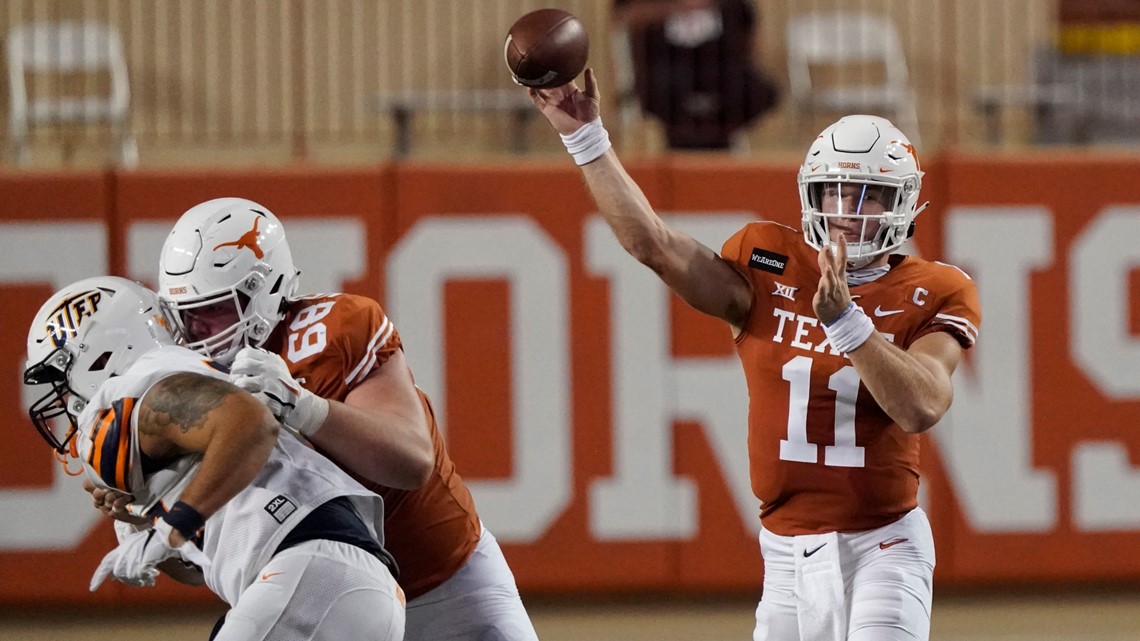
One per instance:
(134,561)
(267,377)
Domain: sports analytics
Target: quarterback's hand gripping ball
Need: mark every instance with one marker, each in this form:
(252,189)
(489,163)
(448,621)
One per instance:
(546,48)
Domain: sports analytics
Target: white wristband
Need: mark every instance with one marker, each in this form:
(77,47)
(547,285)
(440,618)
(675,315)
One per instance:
(309,414)
(850,330)
(588,143)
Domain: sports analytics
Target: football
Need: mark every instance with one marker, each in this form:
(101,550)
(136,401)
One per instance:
(546,48)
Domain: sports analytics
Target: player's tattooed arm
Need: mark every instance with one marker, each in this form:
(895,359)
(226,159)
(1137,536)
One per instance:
(190,413)
(180,402)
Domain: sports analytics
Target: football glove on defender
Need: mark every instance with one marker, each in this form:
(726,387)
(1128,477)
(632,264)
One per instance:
(134,561)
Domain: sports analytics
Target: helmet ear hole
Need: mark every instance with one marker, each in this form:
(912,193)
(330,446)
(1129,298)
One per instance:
(100,363)
(910,230)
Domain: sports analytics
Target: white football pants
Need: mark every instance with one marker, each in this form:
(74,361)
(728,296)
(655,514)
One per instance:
(857,586)
(480,602)
(319,591)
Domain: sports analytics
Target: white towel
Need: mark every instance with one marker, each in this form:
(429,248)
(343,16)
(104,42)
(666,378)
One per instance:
(822,601)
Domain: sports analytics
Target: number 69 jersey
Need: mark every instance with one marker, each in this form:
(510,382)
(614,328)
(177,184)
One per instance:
(823,455)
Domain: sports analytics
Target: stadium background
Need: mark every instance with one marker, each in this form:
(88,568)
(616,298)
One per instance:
(599,422)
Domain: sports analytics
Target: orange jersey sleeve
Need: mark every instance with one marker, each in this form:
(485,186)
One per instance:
(955,299)
(823,455)
(332,343)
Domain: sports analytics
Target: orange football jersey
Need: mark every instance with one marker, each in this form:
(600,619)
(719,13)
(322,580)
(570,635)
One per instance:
(332,343)
(823,455)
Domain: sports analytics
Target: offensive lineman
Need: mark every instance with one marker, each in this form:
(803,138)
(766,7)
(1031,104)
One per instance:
(332,367)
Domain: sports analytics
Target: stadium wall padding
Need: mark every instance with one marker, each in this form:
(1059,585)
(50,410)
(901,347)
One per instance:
(599,422)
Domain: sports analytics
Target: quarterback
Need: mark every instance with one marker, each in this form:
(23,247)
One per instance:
(848,350)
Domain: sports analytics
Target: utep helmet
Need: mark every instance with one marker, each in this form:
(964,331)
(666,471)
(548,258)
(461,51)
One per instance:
(83,335)
(228,251)
(870,152)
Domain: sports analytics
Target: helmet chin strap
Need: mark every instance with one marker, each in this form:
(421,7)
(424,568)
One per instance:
(857,271)
(858,262)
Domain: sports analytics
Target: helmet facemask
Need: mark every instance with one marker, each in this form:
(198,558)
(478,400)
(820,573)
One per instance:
(48,412)
(193,318)
(871,215)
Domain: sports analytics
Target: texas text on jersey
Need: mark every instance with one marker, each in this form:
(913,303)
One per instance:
(824,456)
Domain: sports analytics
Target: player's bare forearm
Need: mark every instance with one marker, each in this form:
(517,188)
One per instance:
(913,387)
(696,273)
(381,446)
(620,200)
(235,434)
(381,430)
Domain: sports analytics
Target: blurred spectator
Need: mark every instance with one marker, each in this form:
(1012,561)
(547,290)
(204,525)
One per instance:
(694,67)
(1072,11)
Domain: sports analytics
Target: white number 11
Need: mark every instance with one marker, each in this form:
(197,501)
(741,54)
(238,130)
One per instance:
(845,384)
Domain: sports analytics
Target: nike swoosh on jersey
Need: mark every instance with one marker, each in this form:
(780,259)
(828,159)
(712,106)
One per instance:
(880,312)
(267,575)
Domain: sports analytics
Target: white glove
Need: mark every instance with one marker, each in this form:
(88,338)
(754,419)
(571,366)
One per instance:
(267,377)
(123,529)
(134,561)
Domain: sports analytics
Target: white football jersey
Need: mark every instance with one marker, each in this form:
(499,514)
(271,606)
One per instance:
(242,536)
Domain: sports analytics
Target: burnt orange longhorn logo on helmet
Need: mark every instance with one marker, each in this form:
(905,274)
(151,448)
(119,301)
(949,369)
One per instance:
(248,240)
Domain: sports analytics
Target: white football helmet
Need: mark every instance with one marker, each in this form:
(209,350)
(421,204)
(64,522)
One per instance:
(83,335)
(876,161)
(230,254)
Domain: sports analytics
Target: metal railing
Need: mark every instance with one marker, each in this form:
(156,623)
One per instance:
(273,81)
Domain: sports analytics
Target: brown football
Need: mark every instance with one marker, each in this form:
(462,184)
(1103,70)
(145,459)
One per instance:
(546,48)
